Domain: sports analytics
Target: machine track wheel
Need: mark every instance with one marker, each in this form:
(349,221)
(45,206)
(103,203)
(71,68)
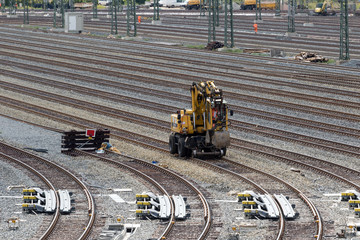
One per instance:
(224,151)
(182,150)
(172,144)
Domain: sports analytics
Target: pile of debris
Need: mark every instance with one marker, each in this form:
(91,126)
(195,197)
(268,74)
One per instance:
(214,45)
(310,57)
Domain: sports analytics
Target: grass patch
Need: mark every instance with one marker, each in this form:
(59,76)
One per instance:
(98,35)
(331,61)
(260,54)
(195,46)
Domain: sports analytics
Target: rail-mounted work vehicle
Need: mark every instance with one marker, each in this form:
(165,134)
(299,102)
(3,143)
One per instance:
(325,8)
(251,4)
(202,130)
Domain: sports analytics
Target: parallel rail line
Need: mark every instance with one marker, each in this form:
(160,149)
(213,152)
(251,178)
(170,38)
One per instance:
(56,216)
(325,127)
(183,34)
(323,172)
(322,72)
(344,79)
(234,172)
(162,146)
(16,153)
(154,178)
(345,174)
(226,64)
(163,125)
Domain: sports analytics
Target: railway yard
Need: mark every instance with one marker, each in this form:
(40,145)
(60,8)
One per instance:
(294,132)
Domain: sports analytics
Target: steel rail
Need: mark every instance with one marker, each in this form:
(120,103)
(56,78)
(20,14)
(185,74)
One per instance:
(306,200)
(233,68)
(91,204)
(149,31)
(257,186)
(318,218)
(314,214)
(163,125)
(188,34)
(230,72)
(180,97)
(76,122)
(56,217)
(207,213)
(196,56)
(271,152)
(295,121)
(162,142)
(149,179)
(301,139)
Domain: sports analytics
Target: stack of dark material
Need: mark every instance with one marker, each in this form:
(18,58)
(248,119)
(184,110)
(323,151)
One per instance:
(73,139)
(214,45)
(310,57)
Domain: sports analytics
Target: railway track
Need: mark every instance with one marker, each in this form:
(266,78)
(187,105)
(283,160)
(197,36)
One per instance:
(338,172)
(162,149)
(163,125)
(276,117)
(151,47)
(170,179)
(344,97)
(170,183)
(77,225)
(315,109)
(161,145)
(267,183)
(235,64)
(245,37)
(279,234)
(237,143)
(350,117)
(343,80)
(340,79)
(247,111)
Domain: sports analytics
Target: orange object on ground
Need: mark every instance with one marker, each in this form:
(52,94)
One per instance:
(139,19)
(255,27)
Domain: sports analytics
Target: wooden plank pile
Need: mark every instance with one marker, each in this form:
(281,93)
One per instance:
(310,57)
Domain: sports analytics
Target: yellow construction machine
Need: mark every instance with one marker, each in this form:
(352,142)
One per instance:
(325,8)
(194,4)
(202,130)
(251,4)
